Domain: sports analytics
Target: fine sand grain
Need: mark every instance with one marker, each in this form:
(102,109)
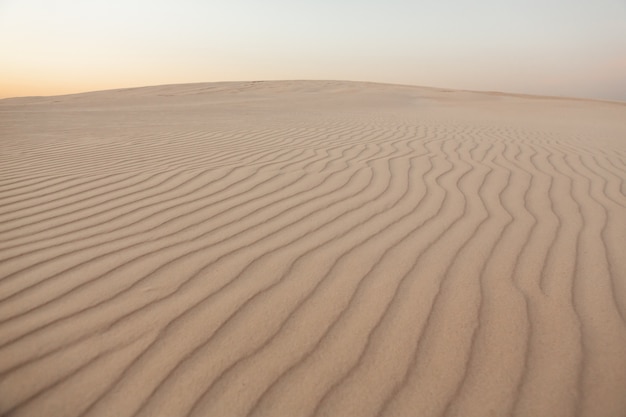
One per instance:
(309,248)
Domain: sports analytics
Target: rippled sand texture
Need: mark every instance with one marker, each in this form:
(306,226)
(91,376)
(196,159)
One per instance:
(312,249)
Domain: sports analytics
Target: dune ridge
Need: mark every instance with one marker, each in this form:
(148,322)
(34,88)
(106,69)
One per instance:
(312,248)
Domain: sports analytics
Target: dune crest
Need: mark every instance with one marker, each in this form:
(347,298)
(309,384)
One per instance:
(312,248)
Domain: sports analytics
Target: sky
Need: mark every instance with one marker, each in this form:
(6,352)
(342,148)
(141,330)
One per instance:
(549,47)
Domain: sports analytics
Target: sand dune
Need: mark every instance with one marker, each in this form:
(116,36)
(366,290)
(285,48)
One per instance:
(312,248)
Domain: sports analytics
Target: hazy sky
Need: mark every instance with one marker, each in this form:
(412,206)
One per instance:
(554,47)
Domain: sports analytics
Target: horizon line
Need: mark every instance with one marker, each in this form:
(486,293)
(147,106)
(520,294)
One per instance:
(440,89)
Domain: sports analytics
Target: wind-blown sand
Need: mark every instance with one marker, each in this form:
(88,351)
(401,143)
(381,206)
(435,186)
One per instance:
(312,248)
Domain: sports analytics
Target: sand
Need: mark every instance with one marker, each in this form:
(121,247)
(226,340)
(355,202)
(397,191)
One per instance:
(310,248)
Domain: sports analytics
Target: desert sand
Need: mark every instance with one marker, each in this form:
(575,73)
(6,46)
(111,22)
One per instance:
(312,248)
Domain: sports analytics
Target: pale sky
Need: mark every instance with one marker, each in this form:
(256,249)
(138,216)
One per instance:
(550,47)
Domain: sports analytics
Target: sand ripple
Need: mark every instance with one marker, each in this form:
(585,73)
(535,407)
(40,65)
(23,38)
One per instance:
(311,249)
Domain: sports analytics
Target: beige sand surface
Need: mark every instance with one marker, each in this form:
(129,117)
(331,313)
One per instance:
(312,248)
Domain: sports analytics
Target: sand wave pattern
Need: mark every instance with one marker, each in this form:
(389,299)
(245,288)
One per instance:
(311,249)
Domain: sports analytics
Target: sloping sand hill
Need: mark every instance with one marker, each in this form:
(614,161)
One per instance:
(312,248)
